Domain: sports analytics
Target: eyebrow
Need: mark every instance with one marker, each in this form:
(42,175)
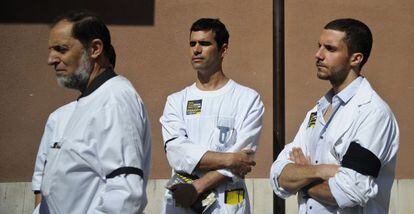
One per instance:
(59,48)
(203,43)
(59,45)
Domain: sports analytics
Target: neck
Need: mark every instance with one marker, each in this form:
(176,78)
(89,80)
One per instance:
(96,71)
(211,82)
(339,86)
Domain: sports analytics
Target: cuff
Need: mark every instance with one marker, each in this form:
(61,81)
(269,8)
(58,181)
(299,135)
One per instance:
(275,171)
(184,156)
(192,160)
(35,186)
(341,199)
(227,173)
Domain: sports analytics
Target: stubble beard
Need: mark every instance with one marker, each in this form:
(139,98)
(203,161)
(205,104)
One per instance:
(335,77)
(80,77)
(205,68)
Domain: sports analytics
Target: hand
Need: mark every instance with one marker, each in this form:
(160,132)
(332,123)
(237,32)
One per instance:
(242,162)
(326,171)
(184,194)
(297,156)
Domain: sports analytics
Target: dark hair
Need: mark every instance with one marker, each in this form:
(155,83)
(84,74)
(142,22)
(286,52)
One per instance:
(358,37)
(87,26)
(218,28)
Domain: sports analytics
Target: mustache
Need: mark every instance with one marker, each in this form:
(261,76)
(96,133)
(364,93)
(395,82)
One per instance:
(319,63)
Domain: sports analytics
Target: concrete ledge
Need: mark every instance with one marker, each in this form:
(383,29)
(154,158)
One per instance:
(17,198)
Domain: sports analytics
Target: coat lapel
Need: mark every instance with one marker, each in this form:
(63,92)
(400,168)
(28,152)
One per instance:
(345,119)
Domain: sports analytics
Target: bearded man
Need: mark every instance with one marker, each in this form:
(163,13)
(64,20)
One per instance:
(94,155)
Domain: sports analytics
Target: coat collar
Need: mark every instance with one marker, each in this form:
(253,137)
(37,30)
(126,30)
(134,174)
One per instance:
(98,81)
(364,93)
(347,94)
(351,110)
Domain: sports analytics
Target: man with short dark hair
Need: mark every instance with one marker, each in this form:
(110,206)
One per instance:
(210,130)
(342,159)
(94,155)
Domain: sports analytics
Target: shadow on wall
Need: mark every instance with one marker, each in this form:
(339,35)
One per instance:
(119,12)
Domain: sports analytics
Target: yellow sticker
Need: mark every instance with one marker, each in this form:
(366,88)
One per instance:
(312,119)
(234,196)
(185,179)
(194,107)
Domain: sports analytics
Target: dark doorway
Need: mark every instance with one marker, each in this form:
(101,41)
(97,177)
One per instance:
(119,12)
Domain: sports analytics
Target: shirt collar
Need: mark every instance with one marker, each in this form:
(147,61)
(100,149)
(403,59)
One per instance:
(348,92)
(345,95)
(98,81)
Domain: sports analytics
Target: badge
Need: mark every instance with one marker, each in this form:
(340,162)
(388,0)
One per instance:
(194,107)
(312,119)
(234,196)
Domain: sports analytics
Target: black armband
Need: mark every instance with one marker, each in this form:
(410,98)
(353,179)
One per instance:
(125,170)
(361,160)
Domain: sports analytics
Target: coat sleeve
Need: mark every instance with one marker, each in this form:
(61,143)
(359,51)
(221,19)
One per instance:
(377,134)
(249,133)
(283,159)
(123,142)
(45,142)
(183,155)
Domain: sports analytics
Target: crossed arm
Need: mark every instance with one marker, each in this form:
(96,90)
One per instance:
(302,175)
(184,155)
(240,163)
(377,134)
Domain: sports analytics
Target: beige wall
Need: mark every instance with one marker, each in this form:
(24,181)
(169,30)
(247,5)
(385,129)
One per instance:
(389,68)
(156,60)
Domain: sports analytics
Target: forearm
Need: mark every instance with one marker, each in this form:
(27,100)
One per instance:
(214,160)
(322,193)
(38,198)
(209,181)
(294,176)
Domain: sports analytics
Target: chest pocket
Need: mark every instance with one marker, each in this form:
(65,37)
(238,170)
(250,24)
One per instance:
(224,135)
(52,152)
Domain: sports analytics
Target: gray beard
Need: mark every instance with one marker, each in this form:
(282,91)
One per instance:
(79,79)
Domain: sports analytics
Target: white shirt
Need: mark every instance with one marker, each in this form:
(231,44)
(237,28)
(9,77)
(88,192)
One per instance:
(53,132)
(358,115)
(195,121)
(107,130)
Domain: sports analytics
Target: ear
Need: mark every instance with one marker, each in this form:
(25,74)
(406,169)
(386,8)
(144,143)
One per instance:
(224,49)
(96,48)
(356,59)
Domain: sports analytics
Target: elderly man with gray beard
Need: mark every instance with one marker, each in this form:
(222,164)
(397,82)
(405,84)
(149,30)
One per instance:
(94,156)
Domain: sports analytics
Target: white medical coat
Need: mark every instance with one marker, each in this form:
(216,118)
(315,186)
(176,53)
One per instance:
(366,119)
(53,132)
(195,121)
(107,129)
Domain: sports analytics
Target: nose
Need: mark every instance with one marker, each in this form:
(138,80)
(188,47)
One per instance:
(197,49)
(52,59)
(319,54)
